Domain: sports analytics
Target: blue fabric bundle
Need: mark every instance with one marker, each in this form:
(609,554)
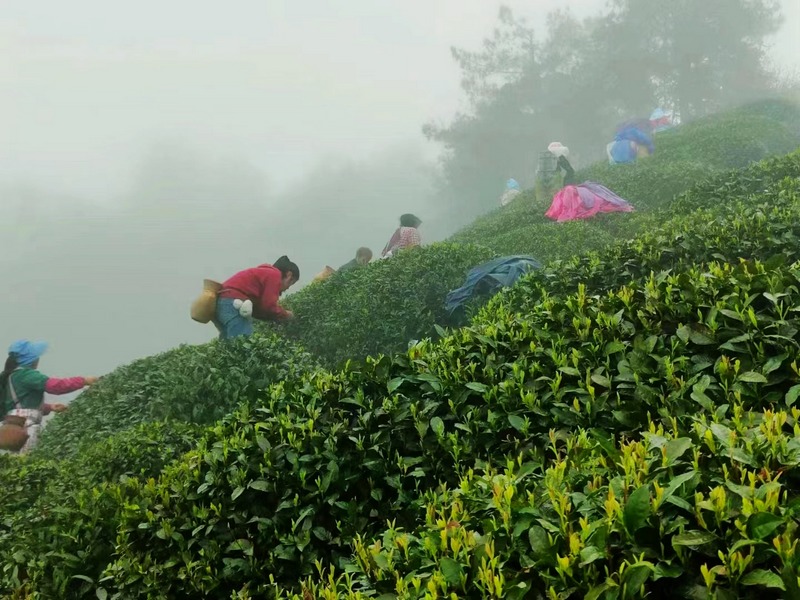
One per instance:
(489,278)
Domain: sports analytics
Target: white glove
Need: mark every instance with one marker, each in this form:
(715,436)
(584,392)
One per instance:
(245,307)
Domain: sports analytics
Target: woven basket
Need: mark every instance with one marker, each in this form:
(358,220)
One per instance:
(204,307)
(326,272)
(12,437)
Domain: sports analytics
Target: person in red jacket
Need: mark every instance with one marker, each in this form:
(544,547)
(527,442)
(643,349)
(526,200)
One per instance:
(262,286)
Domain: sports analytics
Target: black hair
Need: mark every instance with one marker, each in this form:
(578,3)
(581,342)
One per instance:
(284,265)
(409,220)
(10,366)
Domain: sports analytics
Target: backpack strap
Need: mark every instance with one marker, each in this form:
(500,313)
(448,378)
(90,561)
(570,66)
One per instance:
(13,392)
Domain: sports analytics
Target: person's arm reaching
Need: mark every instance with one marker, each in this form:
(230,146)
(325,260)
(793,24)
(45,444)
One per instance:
(58,387)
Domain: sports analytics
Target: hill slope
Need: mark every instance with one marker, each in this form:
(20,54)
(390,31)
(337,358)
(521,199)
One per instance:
(621,423)
(684,157)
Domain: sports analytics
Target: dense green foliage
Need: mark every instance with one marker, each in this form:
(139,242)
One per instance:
(198,384)
(728,221)
(620,424)
(59,516)
(380,308)
(276,489)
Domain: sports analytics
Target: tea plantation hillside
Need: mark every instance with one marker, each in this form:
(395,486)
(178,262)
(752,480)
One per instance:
(622,424)
(684,156)
(195,384)
(354,315)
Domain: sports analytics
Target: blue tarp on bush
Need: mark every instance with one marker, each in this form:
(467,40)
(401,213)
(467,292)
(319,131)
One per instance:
(489,278)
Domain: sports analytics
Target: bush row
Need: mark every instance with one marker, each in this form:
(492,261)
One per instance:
(695,512)
(688,156)
(750,214)
(58,517)
(381,307)
(195,384)
(275,489)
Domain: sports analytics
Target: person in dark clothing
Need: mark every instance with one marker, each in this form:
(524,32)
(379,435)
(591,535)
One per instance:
(569,172)
(363,256)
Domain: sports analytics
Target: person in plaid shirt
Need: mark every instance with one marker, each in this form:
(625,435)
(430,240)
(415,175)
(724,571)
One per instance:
(406,236)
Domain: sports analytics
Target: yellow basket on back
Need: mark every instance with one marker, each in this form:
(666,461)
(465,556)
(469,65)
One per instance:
(204,307)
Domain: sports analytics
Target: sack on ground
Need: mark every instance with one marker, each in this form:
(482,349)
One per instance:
(204,307)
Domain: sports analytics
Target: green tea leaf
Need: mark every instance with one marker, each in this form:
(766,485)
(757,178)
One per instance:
(259,484)
(601,380)
(792,394)
(540,542)
(752,377)
(667,571)
(394,384)
(598,590)
(634,578)
(478,387)
(452,570)
(517,422)
(637,509)
(590,554)
(693,538)
(763,577)
(763,524)
(438,426)
(677,448)
(701,338)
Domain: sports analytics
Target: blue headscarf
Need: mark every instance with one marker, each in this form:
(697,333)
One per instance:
(26,353)
(512,184)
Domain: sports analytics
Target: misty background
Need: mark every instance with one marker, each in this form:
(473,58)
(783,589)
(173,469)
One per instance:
(146,146)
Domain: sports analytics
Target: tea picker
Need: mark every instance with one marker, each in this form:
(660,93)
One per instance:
(22,390)
(249,294)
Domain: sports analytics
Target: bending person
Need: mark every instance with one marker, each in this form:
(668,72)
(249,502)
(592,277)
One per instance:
(363,256)
(254,292)
(22,388)
(405,236)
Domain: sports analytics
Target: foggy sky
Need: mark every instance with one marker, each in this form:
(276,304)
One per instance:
(147,145)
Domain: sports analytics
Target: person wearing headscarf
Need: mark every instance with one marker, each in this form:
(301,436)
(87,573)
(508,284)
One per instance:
(405,236)
(512,191)
(23,387)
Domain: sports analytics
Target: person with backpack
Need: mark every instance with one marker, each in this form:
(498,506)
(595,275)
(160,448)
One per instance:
(23,388)
(254,293)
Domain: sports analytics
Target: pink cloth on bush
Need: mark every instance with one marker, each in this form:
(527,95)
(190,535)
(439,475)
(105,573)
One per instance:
(584,201)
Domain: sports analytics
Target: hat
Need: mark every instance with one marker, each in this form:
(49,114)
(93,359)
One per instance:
(512,184)
(26,353)
(558,149)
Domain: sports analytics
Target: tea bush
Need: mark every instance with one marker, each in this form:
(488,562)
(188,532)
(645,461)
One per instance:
(619,425)
(277,489)
(675,514)
(196,384)
(731,223)
(59,518)
(381,307)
